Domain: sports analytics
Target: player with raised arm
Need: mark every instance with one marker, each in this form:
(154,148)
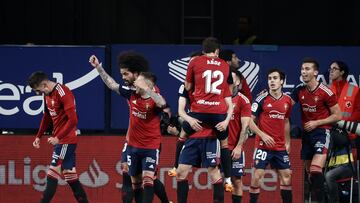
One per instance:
(131,64)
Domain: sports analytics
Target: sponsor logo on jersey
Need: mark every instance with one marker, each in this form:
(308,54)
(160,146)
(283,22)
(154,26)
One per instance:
(209,103)
(308,108)
(276,115)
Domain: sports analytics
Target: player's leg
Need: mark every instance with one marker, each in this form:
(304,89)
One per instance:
(135,172)
(261,160)
(160,191)
(321,139)
(236,178)
(149,161)
(53,174)
(255,185)
(285,185)
(210,160)
(225,157)
(70,174)
(179,145)
(213,120)
(159,188)
(317,177)
(136,182)
(189,156)
(126,190)
(216,181)
(182,183)
(281,162)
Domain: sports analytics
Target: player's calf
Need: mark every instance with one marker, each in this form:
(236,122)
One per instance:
(72,179)
(51,185)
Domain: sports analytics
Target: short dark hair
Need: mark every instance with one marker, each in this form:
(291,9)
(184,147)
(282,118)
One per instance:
(36,78)
(226,54)
(343,67)
(313,61)
(210,44)
(281,73)
(238,74)
(134,62)
(149,76)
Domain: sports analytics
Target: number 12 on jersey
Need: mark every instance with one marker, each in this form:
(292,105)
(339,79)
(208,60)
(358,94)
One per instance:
(212,87)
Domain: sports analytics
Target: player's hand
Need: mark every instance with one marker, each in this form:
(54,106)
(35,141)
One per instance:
(310,125)
(93,60)
(53,140)
(287,146)
(141,83)
(172,130)
(269,141)
(236,153)
(195,124)
(222,126)
(36,143)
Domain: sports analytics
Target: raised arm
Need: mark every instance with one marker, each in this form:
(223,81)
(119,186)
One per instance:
(108,80)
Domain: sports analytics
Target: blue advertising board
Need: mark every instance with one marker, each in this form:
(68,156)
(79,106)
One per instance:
(19,106)
(169,63)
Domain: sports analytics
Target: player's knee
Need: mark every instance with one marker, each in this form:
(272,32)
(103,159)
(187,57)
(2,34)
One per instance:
(148,180)
(124,167)
(55,168)
(256,178)
(224,144)
(214,174)
(181,172)
(237,183)
(136,185)
(315,169)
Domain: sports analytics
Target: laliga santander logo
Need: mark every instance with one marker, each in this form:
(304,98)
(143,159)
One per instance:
(250,70)
(18,90)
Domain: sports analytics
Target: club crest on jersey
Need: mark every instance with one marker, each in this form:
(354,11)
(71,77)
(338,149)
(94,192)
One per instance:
(147,106)
(52,103)
(286,106)
(316,98)
(303,97)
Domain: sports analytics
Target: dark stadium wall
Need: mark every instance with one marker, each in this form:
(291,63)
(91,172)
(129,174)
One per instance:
(120,21)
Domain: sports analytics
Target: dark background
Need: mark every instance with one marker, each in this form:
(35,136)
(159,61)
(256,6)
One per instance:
(80,22)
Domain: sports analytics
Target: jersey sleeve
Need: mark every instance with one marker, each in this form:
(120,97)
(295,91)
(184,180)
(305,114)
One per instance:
(331,100)
(256,107)
(183,92)
(190,72)
(295,92)
(68,99)
(245,104)
(288,112)
(125,91)
(245,89)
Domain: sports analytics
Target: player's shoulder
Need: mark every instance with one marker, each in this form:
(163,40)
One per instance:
(326,89)
(243,98)
(261,96)
(300,86)
(62,90)
(286,95)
